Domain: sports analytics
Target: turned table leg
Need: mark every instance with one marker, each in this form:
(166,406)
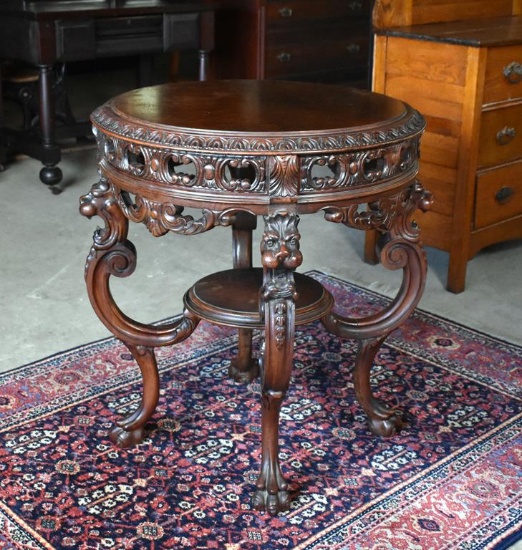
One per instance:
(50,174)
(243,368)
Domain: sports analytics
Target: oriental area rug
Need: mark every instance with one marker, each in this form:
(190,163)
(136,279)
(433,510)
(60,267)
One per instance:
(450,480)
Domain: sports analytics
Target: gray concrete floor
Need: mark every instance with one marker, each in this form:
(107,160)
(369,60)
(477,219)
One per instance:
(44,305)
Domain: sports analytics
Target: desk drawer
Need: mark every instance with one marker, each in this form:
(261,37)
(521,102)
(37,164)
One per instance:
(122,35)
(503,79)
(499,195)
(285,11)
(500,135)
(112,36)
(294,57)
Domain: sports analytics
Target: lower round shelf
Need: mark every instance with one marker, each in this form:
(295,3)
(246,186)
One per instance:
(232,298)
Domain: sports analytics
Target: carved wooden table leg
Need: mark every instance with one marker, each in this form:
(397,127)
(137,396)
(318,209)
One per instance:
(401,250)
(280,257)
(243,368)
(113,254)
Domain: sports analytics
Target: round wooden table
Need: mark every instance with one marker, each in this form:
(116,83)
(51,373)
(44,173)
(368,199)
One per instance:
(235,150)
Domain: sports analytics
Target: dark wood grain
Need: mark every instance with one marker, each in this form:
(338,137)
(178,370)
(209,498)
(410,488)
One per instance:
(234,150)
(257,108)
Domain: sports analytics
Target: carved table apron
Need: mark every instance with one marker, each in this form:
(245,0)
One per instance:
(256,148)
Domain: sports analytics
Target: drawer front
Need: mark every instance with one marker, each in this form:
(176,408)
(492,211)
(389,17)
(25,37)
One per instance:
(124,35)
(499,195)
(315,56)
(500,135)
(111,36)
(181,31)
(75,40)
(503,79)
(280,11)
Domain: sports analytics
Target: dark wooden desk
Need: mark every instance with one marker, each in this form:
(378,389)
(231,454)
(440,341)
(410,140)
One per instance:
(236,150)
(44,32)
(311,40)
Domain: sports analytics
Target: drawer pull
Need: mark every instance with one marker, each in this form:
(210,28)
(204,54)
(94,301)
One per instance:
(504,194)
(353,48)
(286,12)
(506,135)
(284,57)
(513,72)
(355,6)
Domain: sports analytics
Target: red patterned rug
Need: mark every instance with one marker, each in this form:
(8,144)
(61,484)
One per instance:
(450,480)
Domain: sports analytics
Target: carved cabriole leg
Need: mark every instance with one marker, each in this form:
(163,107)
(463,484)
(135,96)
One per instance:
(280,257)
(112,254)
(401,250)
(382,420)
(130,430)
(243,368)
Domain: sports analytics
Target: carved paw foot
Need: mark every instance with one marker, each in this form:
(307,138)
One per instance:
(241,374)
(272,503)
(386,427)
(125,439)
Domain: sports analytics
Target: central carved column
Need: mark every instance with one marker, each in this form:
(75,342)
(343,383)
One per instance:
(280,256)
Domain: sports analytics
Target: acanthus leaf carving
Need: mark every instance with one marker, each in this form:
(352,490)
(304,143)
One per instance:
(284,172)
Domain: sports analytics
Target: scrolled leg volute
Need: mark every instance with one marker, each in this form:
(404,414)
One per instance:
(400,249)
(113,255)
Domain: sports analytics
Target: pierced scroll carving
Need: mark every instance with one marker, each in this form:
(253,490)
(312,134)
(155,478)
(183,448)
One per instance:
(161,218)
(344,170)
(383,214)
(184,169)
(285,176)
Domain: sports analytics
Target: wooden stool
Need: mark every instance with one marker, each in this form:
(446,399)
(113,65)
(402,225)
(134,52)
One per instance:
(255,148)
(20,85)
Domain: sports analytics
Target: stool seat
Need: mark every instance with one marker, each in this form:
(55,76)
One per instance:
(232,298)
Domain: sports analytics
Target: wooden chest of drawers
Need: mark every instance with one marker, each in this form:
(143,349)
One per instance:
(294,39)
(465,77)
